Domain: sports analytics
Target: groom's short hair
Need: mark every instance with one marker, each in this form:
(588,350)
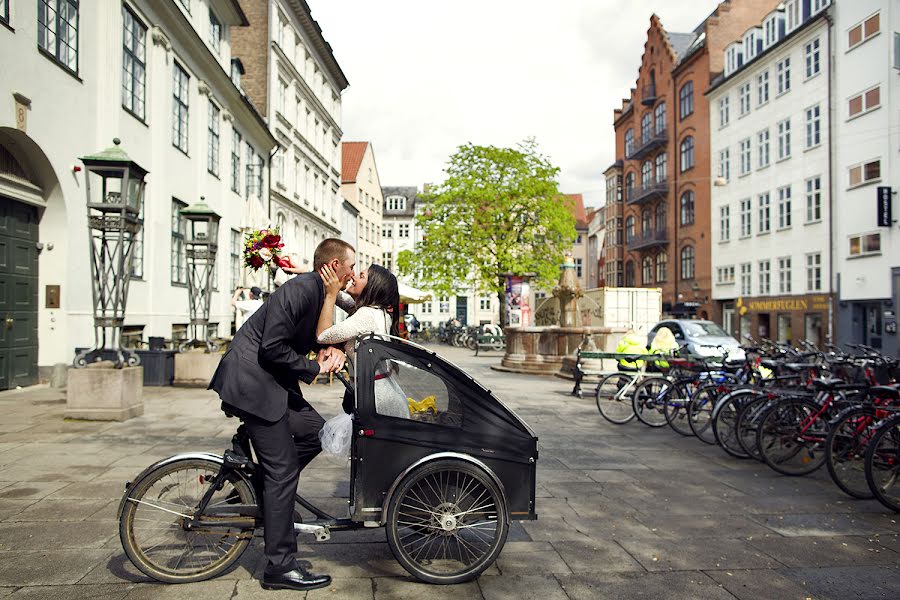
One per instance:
(330,249)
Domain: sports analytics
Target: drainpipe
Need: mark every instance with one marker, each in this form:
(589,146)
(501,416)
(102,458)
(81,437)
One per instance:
(676,160)
(832,187)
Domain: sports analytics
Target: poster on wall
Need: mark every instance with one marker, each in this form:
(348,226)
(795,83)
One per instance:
(518,307)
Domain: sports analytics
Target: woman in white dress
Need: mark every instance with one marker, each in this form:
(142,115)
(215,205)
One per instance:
(373,302)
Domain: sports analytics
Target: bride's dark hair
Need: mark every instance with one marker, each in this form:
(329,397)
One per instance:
(382,291)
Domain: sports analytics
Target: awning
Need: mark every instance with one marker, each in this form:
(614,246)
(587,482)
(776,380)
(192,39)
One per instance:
(410,295)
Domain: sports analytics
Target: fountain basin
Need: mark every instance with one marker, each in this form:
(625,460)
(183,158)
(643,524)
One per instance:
(550,350)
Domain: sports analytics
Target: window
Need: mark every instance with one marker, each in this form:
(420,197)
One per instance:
(659,115)
(765,278)
(646,127)
(629,274)
(686,100)
(186,4)
(250,176)
(180,108)
(646,174)
(784,207)
(724,223)
(745,279)
(579,267)
(646,221)
(783,70)
(864,102)
(629,229)
(661,216)
(134,69)
(864,245)
(212,144)
(794,14)
(687,208)
(725,275)
(4,11)
(765,213)
(647,270)
(236,71)
(723,111)
(235,161)
(661,267)
(687,153)
(426,307)
(746,162)
(813,126)
(863,31)
(235,264)
(58,31)
(387,260)
(629,185)
(484,302)
(744,96)
(281,98)
(811,50)
(661,161)
(784,275)
(215,33)
(387,230)
(762,139)
(725,163)
(896,50)
(179,229)
(814,272)
(629,142)
(746,217)
(864,173)
(137,264)
(814,200)
(414,382)
(818,5)
(403,230)
(278,167)
(396,203)
(762,88)
(687,262)
(784,139)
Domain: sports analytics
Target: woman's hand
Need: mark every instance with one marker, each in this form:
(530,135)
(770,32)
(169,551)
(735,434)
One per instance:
(333,285)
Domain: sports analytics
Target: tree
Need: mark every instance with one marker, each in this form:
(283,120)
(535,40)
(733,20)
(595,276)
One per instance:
(498,212)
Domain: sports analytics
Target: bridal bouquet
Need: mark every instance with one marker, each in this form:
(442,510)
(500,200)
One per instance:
(261,247)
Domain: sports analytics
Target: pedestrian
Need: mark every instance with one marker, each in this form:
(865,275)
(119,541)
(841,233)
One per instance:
(245,307)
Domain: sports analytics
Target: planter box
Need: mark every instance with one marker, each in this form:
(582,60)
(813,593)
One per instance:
(104,393)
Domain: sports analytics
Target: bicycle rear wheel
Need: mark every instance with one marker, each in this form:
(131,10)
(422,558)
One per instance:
(676,408)
(700,412)
(649,401)
(152,530)
(883,464)
(614,398)
(791,437)
(748,424)
(724,422)
(845,451)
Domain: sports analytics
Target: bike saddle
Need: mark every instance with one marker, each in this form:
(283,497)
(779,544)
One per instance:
(826,383)
(769,363)
(885,391)
(236,461)
(799,366)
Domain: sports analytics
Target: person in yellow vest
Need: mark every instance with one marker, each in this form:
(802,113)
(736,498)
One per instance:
(631,343)
(664,342)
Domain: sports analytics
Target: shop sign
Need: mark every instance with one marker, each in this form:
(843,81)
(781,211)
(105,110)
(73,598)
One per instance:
(884,206)
(788,304)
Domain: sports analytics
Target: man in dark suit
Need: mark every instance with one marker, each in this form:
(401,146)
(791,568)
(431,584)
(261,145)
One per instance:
(257,381)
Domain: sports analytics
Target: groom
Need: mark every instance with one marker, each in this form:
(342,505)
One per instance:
(257,381)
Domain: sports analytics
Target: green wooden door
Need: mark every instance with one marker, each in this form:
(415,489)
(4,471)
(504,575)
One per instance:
(18,294)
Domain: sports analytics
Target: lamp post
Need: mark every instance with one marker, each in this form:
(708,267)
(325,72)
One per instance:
(202,246)
(114,185)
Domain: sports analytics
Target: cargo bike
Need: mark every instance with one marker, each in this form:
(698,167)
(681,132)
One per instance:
(445,483)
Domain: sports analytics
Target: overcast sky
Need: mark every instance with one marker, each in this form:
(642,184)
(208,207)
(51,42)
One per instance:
(428,76)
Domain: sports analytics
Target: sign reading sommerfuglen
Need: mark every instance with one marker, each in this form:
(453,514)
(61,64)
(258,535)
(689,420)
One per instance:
(785,304)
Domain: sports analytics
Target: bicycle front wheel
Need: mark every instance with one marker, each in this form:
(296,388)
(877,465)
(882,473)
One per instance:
(700,412)
(614,398)
(883,464)
(791,436)
(649,401)
(152,526)
(845,451)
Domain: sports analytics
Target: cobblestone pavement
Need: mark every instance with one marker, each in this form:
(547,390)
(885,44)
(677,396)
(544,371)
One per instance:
(625,511)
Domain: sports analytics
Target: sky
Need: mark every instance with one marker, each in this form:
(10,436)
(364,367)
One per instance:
(427,76)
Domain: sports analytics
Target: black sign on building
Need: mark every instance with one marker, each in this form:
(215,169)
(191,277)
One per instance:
(884,206)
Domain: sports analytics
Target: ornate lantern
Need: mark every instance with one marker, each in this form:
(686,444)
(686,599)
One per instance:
(202,245)
(114,185)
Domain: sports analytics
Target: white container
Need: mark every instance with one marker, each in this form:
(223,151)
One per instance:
(638,309)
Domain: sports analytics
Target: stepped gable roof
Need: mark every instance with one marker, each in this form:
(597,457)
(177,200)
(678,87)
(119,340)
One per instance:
(352,154)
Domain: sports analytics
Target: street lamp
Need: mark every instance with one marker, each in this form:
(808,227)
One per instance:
(114,185)
(202,246)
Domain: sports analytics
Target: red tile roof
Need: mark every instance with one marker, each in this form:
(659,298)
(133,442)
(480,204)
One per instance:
(581,221)
(351,157)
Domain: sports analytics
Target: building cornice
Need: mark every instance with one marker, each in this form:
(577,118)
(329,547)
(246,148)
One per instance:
(323,48)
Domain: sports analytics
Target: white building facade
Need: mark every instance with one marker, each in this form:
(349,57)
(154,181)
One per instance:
(157,76)
(770,202)
(866,46)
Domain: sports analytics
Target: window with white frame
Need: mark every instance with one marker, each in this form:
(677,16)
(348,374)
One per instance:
(811,52)
(387,230)
(4,11)
(744,96)
(865,244)
(765,213)
(134,68)
(784,207)
(137,263)
(403,230)
(771,30)
(896,50)
(659,117)
(813,199)
(58,31)
(813,126)
(629,142)
(180,81)
(282,96)
(686,99)
(725,275)
(863,173)
(784,275)
(765,277)
(687,153)
(579,267)
(212,141)
(725,163)
(396,203)
(687,262)
(762,88)
(484,302)
(235,161)
(215,32)
(863,31)
(724,223)
(746,217)
(814,272)
(784,139)
(426,307)
(687,208)
(387,260)
(723,111)
(783,78)
(646,127)
(278,167)
(646,174)
(662,261)
(794,14)
(818,6)
(746,275)
(178,250)
(762,148)
(864,102)
(746,158)
(660,167)
(237,249)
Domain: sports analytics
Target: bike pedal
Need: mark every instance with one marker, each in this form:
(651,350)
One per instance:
(322,533)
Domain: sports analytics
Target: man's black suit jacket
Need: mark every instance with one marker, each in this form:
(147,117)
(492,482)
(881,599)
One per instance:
(267,356)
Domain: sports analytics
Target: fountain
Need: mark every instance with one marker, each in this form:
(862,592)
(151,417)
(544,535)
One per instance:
(549,347)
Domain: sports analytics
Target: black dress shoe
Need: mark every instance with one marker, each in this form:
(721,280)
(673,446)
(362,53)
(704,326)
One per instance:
(298,579)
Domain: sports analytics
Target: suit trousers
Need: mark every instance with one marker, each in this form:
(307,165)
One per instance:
(283,449)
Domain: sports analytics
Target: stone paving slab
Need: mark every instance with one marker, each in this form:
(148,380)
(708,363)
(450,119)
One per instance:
(686,585)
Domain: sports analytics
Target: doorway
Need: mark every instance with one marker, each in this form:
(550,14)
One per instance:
(462,309)
(870,314)
(18,294)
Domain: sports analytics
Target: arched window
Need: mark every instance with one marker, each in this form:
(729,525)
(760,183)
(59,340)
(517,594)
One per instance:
(629,142)
(661,267)
(646,174)
(686,99)
(687,262)
(629,229)
(629,186)
(661,167)
(647,271)
(687,153)
(687,208)
(279,223)
(646,222)
(629,274)
(661,217)
(646,127)
(659,115)
(297,240)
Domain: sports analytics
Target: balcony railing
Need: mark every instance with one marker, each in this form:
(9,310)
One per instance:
(639,195)
(647,144)
(648,239)
(648,94)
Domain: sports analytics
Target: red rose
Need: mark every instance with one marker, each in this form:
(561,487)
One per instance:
(270,240)
(255,261)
